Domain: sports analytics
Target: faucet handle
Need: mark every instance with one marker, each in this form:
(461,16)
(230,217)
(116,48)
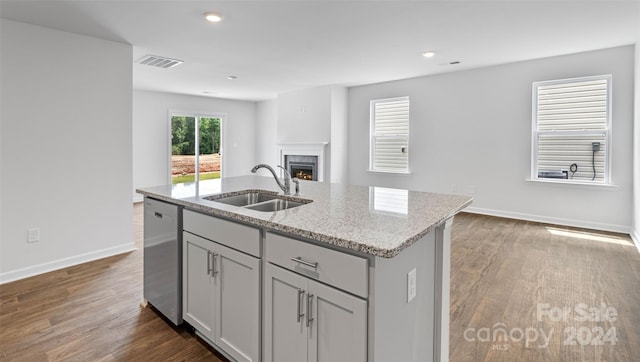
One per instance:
(296,181)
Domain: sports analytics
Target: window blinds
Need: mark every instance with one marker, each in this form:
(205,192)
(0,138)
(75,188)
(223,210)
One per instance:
(569,117)
(390,135)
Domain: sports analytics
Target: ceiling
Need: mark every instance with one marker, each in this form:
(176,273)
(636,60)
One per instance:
(279,46)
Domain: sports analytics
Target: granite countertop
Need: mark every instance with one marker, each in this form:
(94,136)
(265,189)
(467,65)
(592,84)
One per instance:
(373,220)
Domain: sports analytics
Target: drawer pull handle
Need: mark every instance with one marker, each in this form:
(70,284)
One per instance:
(300,314)
(304,262)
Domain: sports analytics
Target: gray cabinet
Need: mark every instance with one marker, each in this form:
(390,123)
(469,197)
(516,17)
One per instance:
(237,304)
(306,320)
(198,284)
(222,293)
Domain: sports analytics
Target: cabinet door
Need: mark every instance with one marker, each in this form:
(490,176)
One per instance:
(285,331)
(237,281)
(198,285)
(338,327)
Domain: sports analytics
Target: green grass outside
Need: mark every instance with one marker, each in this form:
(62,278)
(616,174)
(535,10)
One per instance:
(190,178)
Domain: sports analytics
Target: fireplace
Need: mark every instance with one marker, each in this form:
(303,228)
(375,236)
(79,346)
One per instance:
(303,160)
(302,167)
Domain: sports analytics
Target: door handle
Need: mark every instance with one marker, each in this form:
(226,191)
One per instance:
(309,302)
(299,313)
(215,264)
(208,262)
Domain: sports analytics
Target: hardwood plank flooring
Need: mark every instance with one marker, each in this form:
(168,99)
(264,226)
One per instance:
(91,312)
(502,270)
(520,277)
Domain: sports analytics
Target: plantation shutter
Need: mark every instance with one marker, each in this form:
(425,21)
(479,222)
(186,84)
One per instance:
(390,135)
(570,116)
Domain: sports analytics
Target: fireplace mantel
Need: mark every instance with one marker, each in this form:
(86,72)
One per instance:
(305,149)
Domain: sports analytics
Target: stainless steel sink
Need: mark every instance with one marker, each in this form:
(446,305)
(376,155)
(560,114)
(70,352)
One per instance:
(249,198)
(266,201)
(275,205)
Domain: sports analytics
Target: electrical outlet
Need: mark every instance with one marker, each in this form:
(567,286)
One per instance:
(33,235)
(411,285)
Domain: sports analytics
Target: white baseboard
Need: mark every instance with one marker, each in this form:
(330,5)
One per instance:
(636,238)
(30,271)
(551,220)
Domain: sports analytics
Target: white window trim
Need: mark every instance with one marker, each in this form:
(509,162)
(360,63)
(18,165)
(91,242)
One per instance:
(608,134)
(372,134)
(571,183)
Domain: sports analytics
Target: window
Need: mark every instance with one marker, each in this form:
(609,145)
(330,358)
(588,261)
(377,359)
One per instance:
(571,130)
(390,135)
(187,165)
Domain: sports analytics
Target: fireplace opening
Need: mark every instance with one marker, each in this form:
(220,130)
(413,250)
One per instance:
(302,167)
(302,171)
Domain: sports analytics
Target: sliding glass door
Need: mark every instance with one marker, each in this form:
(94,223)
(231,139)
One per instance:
(195,155)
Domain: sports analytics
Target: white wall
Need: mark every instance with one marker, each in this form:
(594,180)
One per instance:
(305,115)
(473,129)
(266,132)
(66,149)
(151,134)
(339,132)
(635,233)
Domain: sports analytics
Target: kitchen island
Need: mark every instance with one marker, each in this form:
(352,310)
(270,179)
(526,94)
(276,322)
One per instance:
(355,273)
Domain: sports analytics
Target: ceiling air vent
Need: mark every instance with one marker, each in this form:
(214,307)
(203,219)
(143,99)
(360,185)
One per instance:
(159,62)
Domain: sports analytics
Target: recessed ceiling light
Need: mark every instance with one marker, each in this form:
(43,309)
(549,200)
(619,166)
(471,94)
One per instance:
(213,17)
(429,54)
(232,77)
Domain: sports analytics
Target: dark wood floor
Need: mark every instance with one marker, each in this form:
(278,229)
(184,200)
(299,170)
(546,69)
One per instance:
(519,276)
(91,312)
(502,270)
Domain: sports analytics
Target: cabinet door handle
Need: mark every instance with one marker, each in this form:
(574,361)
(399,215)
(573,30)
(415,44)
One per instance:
(215,264)
(208,262)
(299,313)
(309,302)
(304,262)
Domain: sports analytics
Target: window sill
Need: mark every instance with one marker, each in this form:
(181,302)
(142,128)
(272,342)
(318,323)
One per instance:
(590,185)
(402,173)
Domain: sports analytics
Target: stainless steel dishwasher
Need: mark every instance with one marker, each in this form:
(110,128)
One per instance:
(163,258)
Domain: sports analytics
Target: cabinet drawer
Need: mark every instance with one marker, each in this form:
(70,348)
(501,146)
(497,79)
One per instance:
(237,236)
(344,271)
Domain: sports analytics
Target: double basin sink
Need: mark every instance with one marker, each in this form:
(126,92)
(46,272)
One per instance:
(266,201)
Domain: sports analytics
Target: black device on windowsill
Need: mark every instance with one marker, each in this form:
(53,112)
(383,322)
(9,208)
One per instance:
(564,174)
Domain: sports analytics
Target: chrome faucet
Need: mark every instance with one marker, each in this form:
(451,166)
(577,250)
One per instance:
(286,187)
